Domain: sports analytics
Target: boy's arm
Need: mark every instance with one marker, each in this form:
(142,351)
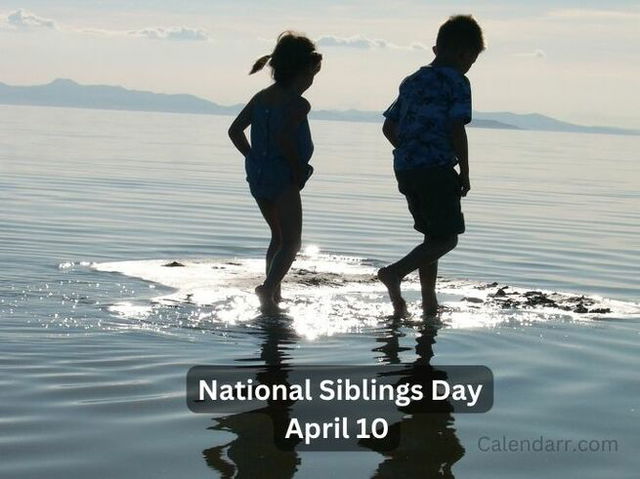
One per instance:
(390,132)
(461,149)
(236,130)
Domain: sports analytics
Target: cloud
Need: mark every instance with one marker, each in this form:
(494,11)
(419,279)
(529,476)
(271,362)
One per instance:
(582,14)
(172,33)
(419,46)
(24,20)
(349,42)
(537,53)
(363,43)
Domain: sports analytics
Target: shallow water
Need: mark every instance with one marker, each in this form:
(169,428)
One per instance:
(97,336)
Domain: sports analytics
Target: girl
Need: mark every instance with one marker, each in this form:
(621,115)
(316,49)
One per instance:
(277,160)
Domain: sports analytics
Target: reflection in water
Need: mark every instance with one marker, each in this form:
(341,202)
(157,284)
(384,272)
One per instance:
(253,452)
(428,446)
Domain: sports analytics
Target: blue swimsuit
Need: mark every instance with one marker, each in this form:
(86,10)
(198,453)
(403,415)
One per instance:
(268,172)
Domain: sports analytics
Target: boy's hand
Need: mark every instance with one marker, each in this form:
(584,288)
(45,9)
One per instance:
(390,129)
(465,186)
(297,178)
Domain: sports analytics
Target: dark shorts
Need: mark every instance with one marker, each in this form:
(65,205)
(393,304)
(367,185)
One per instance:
(433,197)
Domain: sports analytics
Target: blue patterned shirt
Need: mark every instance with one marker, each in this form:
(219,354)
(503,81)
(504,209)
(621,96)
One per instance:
(430,100)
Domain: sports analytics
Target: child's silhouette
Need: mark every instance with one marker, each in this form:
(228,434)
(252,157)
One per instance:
(426,127)
(277,160)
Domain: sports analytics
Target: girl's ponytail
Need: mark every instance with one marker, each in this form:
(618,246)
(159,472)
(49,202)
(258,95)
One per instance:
(259,64)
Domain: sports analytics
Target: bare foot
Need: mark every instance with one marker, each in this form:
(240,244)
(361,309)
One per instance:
(267,303)
(392,283)
(430,306)
(277,295)
(280,299)
(428,312)
(436,314)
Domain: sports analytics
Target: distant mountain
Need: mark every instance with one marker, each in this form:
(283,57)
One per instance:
(535,121)
(483,123)
(67,93)
(376,117)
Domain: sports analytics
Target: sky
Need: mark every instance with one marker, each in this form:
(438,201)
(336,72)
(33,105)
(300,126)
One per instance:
(574,60)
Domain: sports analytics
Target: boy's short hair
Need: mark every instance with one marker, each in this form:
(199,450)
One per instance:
(460,32)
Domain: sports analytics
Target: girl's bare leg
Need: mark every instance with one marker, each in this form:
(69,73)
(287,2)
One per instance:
(268,210)
(288,213)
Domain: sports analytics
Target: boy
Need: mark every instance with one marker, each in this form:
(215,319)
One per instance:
(425,125)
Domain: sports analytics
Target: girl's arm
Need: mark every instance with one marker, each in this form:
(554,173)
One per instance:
(286,138)
(236,130)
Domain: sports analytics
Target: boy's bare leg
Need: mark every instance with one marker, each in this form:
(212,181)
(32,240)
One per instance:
(426,253)
(392,281)
(428,276)
(423,254)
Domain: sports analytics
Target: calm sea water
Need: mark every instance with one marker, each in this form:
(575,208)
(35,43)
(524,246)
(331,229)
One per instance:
(92,367)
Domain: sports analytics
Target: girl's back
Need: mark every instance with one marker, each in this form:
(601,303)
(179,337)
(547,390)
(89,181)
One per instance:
(270,112)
